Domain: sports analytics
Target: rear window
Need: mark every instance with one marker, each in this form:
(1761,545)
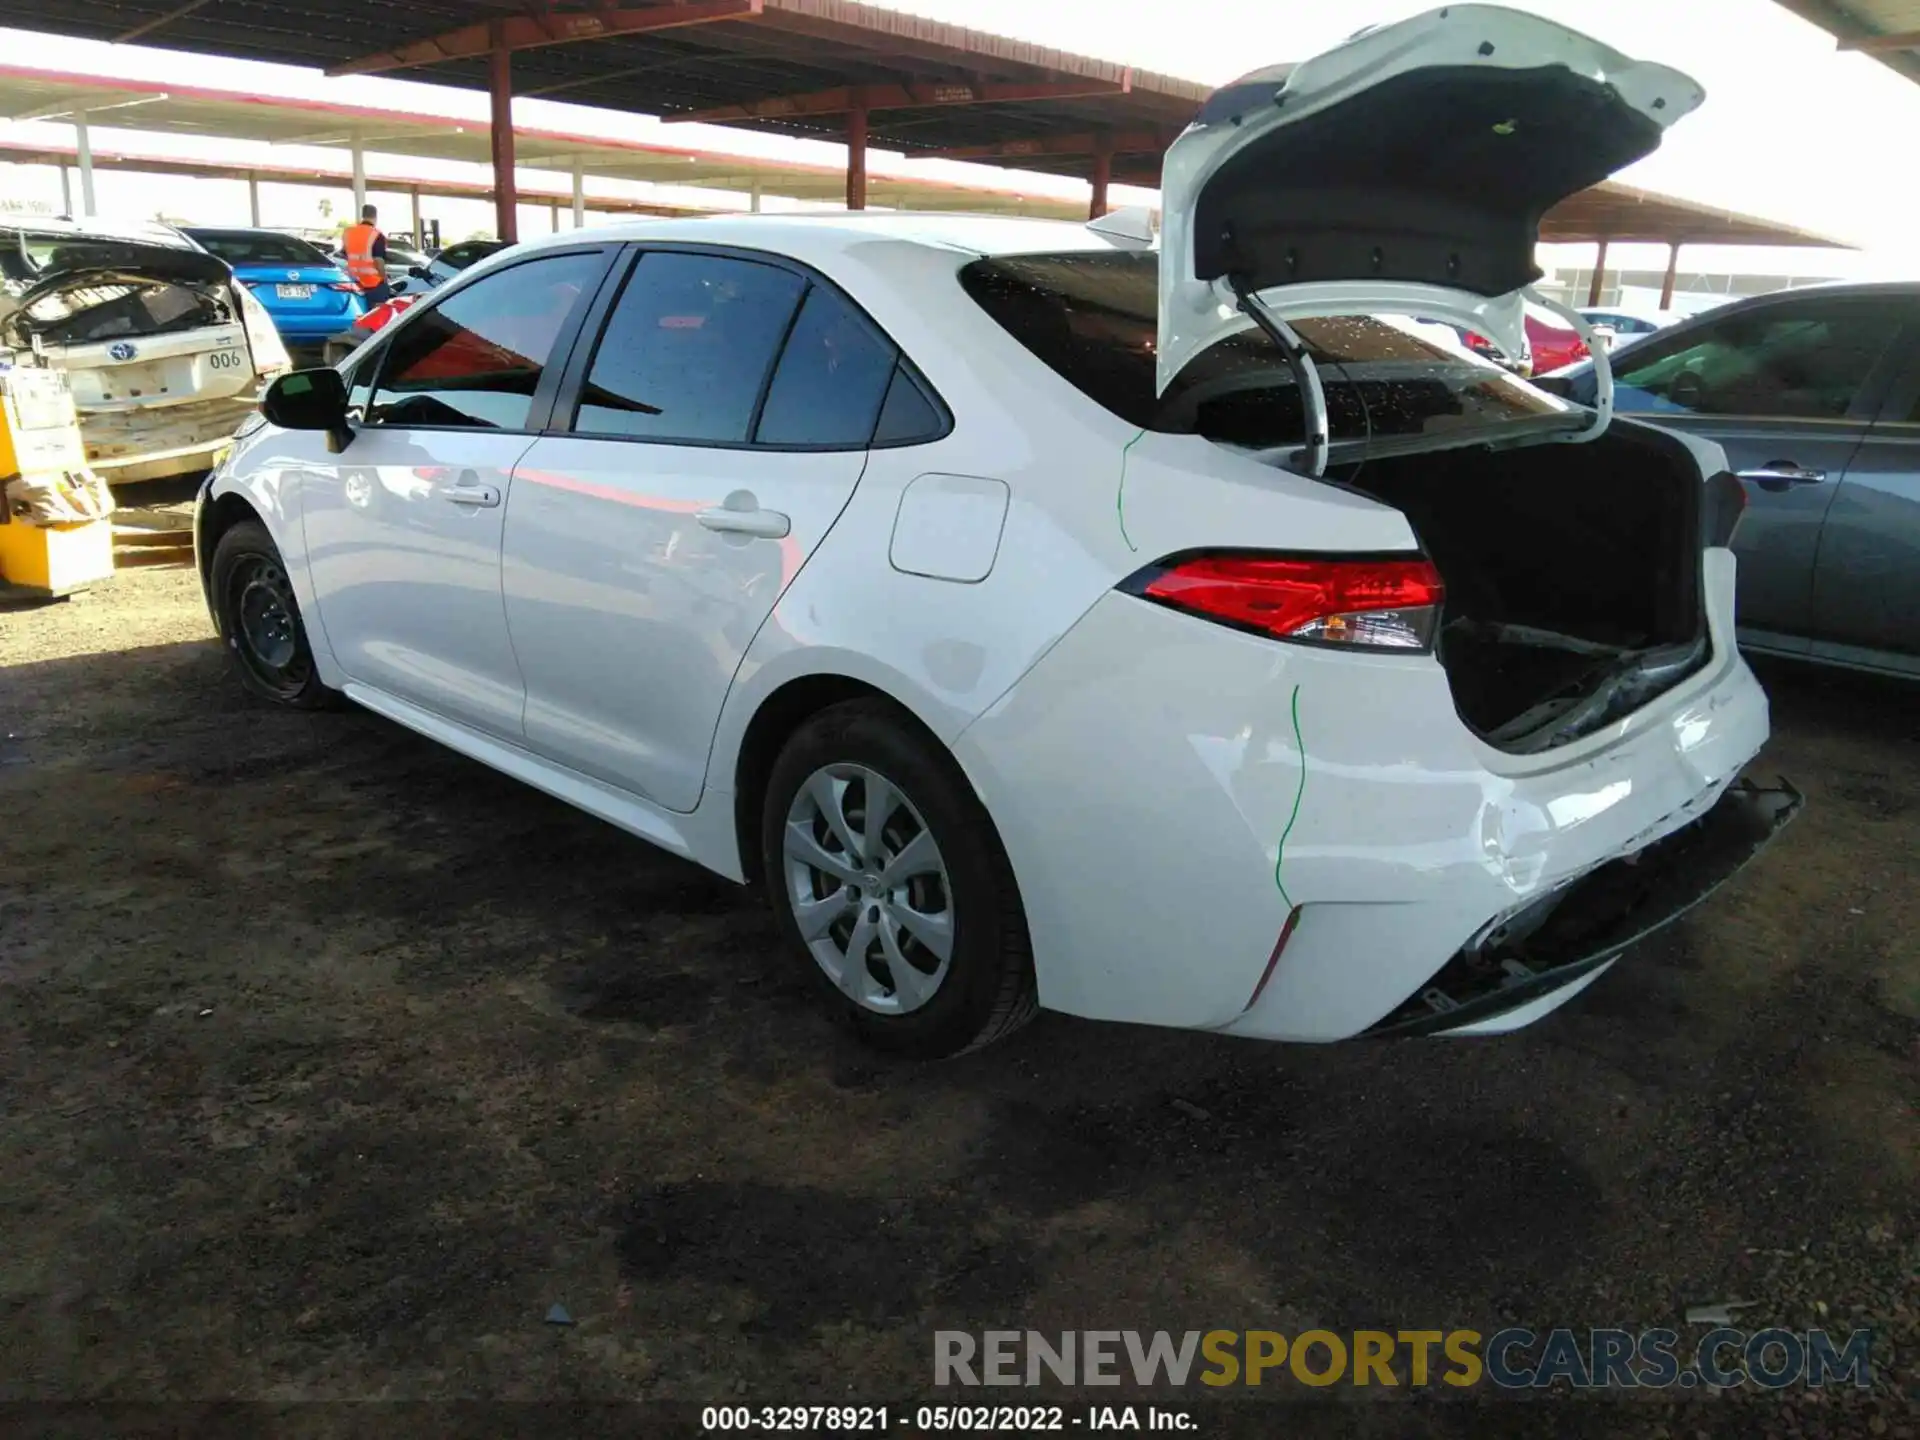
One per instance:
(1092,317)
(251,247)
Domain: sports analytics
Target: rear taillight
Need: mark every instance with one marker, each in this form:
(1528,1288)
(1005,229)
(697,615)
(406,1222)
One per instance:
(1725,502)
(380,314)
(346,285)
(1352,602)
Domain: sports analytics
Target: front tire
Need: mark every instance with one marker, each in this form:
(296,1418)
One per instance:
(888,881)
(260,620)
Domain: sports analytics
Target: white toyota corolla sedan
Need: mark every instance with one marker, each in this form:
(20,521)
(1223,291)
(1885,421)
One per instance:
(1165,630)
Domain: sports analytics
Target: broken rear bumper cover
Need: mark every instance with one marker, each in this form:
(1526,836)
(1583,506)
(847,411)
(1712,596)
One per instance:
(1542,956)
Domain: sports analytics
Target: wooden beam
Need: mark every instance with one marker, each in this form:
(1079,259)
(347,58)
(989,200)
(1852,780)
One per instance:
(1122,142)
(909,95)
(529,32)
(1883,44)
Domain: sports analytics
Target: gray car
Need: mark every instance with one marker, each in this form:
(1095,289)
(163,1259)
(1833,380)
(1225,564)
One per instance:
(1815,393)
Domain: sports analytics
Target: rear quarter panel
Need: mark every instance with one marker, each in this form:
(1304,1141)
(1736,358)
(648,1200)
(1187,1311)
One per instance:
(1091,499)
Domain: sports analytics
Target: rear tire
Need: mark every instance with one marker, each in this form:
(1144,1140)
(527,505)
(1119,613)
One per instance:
(911,918)
(260,621)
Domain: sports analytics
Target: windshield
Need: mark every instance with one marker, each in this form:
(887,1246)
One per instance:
(1092,318)
(255,247)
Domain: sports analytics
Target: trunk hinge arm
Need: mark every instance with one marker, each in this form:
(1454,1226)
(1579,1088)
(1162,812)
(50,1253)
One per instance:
(1305,375)
(1602,367)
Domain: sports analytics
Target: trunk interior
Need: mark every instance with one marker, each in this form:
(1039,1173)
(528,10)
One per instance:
(1572,575)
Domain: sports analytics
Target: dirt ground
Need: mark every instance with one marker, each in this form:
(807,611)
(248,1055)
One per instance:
(329,1061)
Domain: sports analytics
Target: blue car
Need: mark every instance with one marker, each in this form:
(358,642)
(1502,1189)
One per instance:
(310,298)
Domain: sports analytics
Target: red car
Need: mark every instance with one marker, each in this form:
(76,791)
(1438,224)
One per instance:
(1554,344)
(1550,345)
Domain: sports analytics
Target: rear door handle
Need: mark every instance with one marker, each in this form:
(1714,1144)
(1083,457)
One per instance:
(1779,474)
(469,491)
(761,524)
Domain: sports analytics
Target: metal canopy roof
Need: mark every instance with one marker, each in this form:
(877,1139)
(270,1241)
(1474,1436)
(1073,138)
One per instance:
(1888,30)
(236,115)
(791,66)
(1626,214)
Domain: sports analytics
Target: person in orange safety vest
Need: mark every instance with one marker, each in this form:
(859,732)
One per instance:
(366,251)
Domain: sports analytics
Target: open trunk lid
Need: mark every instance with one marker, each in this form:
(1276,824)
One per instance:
(137,325)
(1405,171)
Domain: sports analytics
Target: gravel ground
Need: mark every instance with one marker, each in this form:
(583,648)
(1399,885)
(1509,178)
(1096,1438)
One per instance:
(329,1061)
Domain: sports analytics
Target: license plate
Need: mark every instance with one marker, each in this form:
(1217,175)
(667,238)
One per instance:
(294,292)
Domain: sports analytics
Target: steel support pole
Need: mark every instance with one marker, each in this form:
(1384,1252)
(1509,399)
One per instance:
(1102,177)
(1673,274)
(83,145)
(506,199)
(1599,283)
(856,159)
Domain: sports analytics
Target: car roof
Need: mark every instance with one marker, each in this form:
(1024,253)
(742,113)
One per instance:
(839,231)
(144,232)
(243,230)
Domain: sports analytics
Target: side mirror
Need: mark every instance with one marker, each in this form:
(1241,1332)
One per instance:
(399,286)
(310,400)
(419,272)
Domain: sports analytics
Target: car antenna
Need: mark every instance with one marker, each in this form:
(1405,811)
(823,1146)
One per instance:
(1305,374)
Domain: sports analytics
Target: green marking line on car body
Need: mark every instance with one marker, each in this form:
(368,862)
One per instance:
(1280,855)
(1120,499)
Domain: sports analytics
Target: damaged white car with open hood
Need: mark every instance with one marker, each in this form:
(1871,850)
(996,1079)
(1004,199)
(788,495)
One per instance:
(1179,634)
(164,351)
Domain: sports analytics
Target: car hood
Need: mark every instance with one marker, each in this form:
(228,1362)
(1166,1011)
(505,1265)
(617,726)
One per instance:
(1405,171)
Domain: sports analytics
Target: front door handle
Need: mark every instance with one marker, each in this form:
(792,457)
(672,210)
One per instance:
(742,515)
(469,491)
(1779,474)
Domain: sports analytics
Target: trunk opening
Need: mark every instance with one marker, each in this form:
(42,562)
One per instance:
(1572,574)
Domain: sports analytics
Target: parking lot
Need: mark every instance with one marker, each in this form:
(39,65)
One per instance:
(332,1061)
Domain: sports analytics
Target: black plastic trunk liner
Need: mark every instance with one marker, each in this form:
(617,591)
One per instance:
(1599,916)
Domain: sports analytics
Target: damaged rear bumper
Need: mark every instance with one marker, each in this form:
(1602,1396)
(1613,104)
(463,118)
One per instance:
(1542,957)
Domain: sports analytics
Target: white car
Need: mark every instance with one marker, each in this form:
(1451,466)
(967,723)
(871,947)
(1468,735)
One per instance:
(1050,620)
(165,352)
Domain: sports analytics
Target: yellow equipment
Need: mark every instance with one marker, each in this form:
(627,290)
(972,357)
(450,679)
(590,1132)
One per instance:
(54,534)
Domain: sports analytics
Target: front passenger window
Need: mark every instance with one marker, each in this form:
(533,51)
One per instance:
(474,361)
(1801,361)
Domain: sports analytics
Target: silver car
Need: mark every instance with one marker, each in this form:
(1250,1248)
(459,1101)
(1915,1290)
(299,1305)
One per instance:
(1815,393)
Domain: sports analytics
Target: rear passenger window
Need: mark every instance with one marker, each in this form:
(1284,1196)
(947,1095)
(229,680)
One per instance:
(831,379)
(908,417)
(686,351)
(475,359)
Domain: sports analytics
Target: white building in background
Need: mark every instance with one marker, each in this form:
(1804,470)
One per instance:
(1694,291)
